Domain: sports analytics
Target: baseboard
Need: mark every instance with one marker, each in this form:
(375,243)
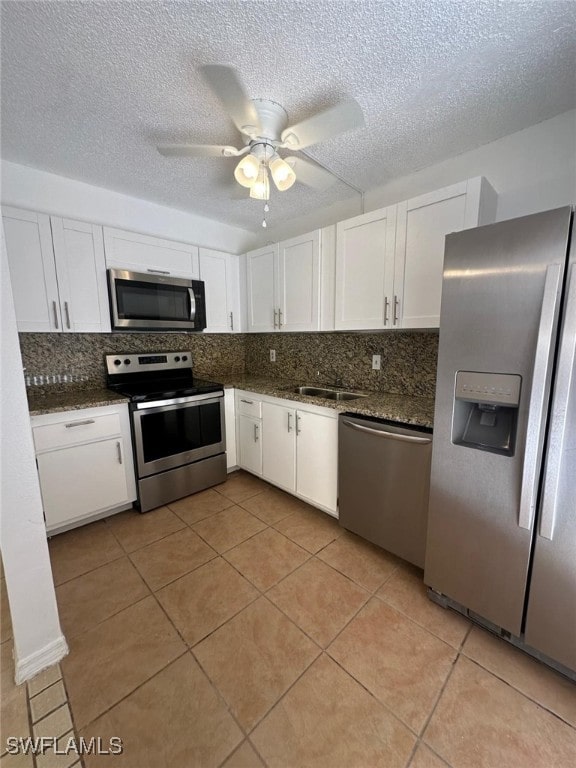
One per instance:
(45,657)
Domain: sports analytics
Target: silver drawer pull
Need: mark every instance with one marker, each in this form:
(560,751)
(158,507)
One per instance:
(55,310)
(231,321)
(119,449)
(289,422)
(298,430)
(248,402)
(158,271)
(67,311)
(389,435)
(80,423)
(255,433)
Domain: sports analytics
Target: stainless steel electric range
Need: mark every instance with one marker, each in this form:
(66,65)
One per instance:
(177,422)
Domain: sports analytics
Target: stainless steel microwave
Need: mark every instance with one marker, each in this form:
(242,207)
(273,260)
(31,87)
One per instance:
(141,301)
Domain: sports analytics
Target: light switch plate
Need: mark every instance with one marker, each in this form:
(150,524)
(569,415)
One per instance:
(375,362)
(272,355)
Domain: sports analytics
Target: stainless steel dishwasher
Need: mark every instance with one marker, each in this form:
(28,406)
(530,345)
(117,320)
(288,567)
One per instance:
(383,483)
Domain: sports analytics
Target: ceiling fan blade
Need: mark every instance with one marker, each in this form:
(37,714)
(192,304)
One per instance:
(343,117)
(226,85)
(310,173)
(200,150)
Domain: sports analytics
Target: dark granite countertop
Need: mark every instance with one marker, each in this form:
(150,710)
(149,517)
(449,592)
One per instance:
(381,405)
(72,399)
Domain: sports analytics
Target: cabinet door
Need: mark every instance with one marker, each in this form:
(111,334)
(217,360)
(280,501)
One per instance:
(365,270)
(81,270)
(143,253)
(279,445)
(317,459)
(250,444)
(218,276)
(422,226)
(32,270)
(79,481)
(299,283)
(260,275)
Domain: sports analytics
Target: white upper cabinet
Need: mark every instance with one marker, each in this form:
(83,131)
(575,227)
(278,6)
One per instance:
(260,289)
(365,270)
(421,227)
(142,253)
(57,272)
(283,285)
(80,266)
(219,271)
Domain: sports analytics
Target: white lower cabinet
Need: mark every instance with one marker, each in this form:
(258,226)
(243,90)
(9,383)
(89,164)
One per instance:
(85,465)
(294,448)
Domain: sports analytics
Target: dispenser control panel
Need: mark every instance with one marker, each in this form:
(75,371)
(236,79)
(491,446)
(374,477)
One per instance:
(493,388)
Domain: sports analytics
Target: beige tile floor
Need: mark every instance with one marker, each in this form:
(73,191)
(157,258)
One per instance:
(242,628)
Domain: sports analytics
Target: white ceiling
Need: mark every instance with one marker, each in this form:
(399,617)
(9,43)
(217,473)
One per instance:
(89,88)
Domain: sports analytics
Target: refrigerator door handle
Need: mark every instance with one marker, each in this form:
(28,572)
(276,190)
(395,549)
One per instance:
(559,409)
(537,405)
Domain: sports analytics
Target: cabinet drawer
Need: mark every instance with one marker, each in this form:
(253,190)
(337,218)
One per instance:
(76,430)
(248,406)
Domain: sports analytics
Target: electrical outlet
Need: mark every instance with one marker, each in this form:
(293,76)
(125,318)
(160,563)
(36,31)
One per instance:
(272,355)
(375,362)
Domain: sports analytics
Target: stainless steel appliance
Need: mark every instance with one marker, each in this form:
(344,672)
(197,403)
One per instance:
(383,482)
(155,302)
(501,541)
(177,422)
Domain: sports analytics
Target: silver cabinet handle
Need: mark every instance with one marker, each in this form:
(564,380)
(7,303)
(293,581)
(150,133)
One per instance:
(279,318)
(119,449)
(231,321)
(275,322)
(55,310)
(67,311)
(386,306)
(192,303)
(289,423)
(540,385)
(560,400)
(158,271)
(80,423)
(298,430)
(396,305)
(248,402)
(255,433)
(389,435)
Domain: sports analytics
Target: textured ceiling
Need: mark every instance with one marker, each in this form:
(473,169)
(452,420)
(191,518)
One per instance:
(89,88)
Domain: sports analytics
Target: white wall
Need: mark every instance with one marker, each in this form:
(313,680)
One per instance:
(25,187)
(531,170)
(38,640)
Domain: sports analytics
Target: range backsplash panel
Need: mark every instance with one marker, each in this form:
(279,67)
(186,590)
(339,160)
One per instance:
(408,359)
(82,354)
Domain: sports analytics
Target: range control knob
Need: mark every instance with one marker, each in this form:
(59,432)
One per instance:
(127,361)
(117,362)
(184,358)
(177,359)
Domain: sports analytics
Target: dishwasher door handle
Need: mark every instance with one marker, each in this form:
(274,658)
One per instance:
(389,435)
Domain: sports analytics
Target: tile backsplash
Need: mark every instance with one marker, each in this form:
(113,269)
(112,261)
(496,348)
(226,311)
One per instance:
(408,358)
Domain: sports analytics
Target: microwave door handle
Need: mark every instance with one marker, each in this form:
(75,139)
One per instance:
(192,303)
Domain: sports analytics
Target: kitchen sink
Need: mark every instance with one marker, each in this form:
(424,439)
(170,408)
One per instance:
(328,394)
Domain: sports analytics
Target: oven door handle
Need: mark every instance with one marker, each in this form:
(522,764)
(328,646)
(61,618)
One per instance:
(192,303)
(213,397)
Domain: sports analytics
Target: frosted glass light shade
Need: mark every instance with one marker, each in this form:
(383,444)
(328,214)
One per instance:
(282,174)
(260,189)
(246,171)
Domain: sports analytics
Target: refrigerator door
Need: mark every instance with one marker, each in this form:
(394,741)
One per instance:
(551,615)
(500,307)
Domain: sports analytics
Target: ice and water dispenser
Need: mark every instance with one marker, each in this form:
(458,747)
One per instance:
(486,411)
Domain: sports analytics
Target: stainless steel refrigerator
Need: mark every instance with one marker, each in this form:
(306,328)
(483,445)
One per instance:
(501,542)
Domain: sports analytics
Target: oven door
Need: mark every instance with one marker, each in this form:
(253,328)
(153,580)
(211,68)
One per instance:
(171,433)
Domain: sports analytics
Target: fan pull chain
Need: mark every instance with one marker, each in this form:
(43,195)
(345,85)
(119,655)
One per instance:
(266,209)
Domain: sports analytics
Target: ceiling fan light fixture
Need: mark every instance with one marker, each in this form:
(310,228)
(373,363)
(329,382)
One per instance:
(283,174)
(260,189)
(247,170)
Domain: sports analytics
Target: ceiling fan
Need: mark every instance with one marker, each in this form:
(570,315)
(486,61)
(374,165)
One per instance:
(264,128)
